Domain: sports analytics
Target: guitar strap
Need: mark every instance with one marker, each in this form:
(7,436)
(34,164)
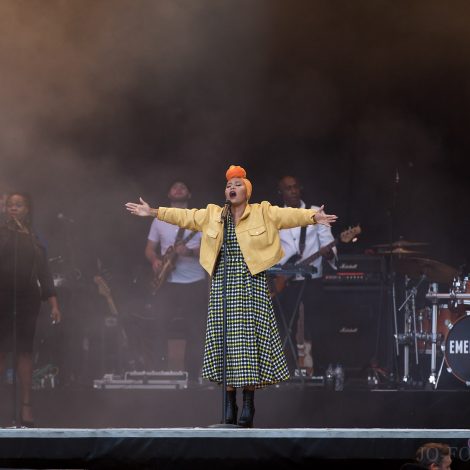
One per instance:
(303,232)
(179,235)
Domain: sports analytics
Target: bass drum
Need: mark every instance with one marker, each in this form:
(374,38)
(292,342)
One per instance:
(457,349)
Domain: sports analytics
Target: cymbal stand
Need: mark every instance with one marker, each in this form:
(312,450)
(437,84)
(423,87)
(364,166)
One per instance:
(410,328)
(432,380)
(395,320)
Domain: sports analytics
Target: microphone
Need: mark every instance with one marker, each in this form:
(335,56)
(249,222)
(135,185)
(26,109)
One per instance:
(225,209)
(63,217)
(19,226)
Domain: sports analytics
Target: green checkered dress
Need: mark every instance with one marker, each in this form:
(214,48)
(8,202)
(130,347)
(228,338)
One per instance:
(254,350)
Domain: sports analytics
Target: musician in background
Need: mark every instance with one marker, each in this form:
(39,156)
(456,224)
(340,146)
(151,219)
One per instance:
(181,300)
(25,281)
(298,245)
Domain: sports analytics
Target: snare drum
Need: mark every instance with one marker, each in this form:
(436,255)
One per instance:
(457,349)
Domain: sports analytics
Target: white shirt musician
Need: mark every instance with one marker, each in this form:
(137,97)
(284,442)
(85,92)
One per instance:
(316,242)
(316,237)
(180,295)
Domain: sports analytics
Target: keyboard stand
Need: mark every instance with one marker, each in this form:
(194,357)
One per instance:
(288,326)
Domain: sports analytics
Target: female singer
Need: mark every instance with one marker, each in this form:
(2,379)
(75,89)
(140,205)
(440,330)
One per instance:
(255,357)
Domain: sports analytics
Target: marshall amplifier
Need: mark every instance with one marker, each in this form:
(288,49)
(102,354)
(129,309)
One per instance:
(355,300)
(354,271)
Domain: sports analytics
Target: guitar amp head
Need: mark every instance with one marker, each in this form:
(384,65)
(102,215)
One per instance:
(356,270)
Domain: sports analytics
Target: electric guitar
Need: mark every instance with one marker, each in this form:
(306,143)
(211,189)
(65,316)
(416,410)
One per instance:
(281,280)
(304,347)
(168,264)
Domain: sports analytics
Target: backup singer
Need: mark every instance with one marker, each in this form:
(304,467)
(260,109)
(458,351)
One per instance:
(254,352)
(25,280)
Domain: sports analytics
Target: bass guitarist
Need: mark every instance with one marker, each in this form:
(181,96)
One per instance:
(180,300)
(299,244)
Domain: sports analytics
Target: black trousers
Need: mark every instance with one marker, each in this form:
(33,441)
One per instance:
(181,313)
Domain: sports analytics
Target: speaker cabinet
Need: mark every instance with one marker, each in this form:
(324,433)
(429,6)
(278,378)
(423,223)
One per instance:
(357,329)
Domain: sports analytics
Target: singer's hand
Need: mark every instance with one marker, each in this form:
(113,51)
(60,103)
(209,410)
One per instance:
(324,219)
(142,209)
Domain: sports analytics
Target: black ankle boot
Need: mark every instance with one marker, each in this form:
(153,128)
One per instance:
(231,410)
(248,410)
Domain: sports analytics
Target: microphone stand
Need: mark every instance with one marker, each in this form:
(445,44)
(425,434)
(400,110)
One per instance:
(16,410)
(392,277)
(223,219)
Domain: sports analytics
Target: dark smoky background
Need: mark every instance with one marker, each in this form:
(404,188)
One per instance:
(367,102)
(103,101)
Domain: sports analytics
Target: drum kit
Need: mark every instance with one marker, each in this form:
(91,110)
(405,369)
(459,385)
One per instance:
(442,326)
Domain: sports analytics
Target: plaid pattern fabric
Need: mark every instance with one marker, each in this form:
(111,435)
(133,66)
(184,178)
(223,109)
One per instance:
(254,350)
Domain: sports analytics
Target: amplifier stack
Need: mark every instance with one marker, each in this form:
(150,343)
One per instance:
(355,303)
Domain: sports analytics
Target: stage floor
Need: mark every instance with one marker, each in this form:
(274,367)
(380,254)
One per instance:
(283,407)
(230,448)
(295,427)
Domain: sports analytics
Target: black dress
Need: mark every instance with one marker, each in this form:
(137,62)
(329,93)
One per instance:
(25,280)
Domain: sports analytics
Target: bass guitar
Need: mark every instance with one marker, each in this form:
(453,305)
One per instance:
(281,280)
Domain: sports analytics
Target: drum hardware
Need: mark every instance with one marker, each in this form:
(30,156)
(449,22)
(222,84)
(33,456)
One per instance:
(453,296)
(435,272)
(460,286)
(410,336)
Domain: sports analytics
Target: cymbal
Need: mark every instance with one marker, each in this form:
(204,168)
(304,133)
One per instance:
(398,251)
(435,271)
(400,243)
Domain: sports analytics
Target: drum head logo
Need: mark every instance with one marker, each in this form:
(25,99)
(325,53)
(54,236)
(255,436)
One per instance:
(457,349)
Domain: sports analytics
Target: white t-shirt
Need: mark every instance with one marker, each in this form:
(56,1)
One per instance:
(316,236)
(187,268)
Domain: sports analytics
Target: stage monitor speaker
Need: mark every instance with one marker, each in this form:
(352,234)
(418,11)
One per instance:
(357,330)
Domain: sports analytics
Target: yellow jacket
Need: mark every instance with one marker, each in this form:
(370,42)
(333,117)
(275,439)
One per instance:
(257,231)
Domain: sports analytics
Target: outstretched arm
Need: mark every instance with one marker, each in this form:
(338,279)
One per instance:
(324,219)
(142,209)
(191,219)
